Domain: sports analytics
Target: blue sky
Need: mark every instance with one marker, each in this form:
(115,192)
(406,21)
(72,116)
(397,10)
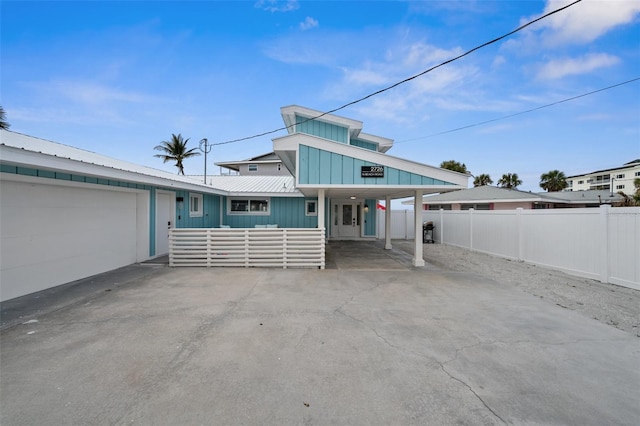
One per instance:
(119,77)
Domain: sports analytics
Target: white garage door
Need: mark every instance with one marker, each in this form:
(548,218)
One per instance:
(52,234)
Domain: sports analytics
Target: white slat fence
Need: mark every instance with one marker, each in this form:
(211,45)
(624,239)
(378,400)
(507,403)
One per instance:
(247,247)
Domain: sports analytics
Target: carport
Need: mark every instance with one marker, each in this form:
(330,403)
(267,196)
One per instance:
(349,175)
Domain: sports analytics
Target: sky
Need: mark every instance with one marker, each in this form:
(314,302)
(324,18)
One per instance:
(119,77)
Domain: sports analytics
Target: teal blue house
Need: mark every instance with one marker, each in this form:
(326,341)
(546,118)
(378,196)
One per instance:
(67,213)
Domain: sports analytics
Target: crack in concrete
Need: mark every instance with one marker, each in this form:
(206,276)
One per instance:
(432,359)
(465,384)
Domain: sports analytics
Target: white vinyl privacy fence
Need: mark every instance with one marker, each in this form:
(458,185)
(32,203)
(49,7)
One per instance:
(598,243)
(247,247)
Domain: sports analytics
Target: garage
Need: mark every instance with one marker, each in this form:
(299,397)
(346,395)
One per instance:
(54,232)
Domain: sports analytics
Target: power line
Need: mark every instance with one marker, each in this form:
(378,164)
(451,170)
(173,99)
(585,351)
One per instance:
(495,40)
(521,112)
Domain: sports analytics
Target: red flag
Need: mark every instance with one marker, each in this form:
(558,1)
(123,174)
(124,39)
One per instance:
(381,207)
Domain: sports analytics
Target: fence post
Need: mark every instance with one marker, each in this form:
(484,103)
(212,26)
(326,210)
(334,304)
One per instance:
(470,229)
(441,226)
(519,232)
(604,243)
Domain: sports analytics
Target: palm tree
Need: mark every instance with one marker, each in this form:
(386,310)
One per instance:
(482,180)
(553,181)
(456,166)
(3,119)
(509,181)
(176,150)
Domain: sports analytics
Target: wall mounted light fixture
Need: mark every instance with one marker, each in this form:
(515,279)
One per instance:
(366,208)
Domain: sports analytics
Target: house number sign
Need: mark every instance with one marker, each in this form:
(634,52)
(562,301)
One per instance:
(372,171)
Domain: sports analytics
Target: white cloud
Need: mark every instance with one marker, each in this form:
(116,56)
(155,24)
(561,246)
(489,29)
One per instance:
(277,6)
(91,93)
(559,68)
(308,23)
(587,20)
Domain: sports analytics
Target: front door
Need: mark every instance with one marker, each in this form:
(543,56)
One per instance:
(163,222)
(348,220)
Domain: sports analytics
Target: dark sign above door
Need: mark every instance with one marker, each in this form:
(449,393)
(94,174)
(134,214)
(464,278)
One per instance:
(372,171)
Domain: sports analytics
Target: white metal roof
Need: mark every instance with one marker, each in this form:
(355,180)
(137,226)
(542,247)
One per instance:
(29,151)
(267,185)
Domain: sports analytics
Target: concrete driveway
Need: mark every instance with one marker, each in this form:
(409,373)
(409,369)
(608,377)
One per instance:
(363,342)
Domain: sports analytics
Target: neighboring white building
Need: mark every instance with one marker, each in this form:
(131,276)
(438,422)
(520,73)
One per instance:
(621,178)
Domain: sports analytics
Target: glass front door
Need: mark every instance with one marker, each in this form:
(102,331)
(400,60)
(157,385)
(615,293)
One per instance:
(347,220)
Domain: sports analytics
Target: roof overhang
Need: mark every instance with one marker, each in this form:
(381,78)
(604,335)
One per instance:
(36,160)
(289,116)
(287,148)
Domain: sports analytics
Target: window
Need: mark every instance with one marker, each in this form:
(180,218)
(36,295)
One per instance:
(475,207)
(439,206)
(620,176)
(310,208)
(249,206)
(253,167)
(195,205)
(580,182)
(637,174)
(619,186)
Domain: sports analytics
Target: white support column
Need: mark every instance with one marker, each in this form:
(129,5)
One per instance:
(417,216)
(387,223)
(321,209)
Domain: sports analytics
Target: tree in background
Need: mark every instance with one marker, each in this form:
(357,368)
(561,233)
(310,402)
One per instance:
(509,181)
(456,166)
(553,181)
(3,119)
(482,180)
(176,150)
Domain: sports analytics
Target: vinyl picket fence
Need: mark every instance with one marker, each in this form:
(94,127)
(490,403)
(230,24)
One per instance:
(598,243)
(247,247)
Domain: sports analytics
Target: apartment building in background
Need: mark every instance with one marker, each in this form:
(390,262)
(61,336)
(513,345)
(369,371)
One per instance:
(612,180)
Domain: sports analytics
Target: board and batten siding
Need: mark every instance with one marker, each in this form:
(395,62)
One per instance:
(286,212)
(317,166)
(322,130)
(211,211)
(370,219)
(364,144)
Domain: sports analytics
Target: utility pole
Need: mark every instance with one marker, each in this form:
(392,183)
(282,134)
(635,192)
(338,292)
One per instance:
(207,149)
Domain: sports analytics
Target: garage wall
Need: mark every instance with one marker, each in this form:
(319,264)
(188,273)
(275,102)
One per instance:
(54,232)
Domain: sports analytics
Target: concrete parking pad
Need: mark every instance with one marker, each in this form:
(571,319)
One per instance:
(360,345)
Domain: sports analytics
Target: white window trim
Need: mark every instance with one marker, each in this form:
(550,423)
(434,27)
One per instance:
(249,213)
(199,211)
(252,165)
(306,208)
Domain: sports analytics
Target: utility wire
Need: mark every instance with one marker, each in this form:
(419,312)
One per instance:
(521,112)
(495,40)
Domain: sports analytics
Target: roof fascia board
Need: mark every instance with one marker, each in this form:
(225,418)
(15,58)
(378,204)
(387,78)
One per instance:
(233,163)
(24,158)
(266,194)
(463,201)
(291,142)
(621,168)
